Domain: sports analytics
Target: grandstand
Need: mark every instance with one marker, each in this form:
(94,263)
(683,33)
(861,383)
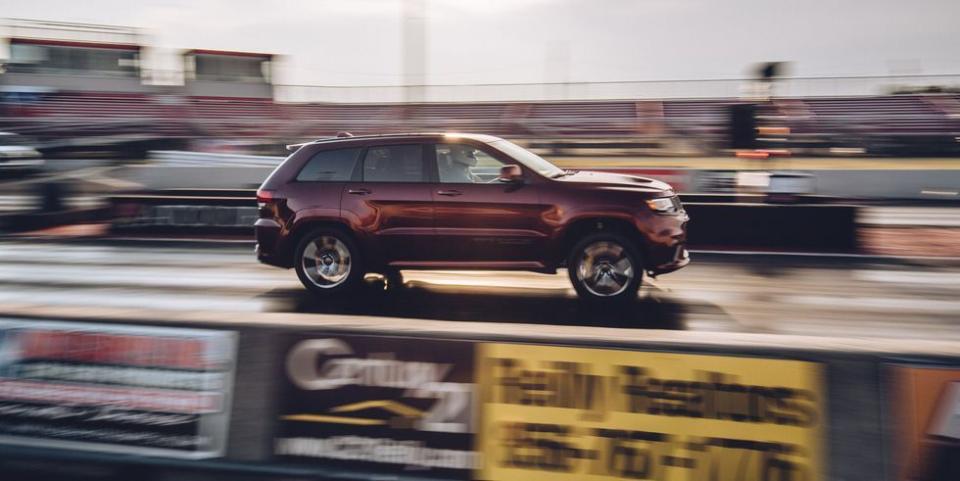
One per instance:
(56,89)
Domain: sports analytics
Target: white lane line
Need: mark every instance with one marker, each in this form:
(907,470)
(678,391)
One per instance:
(706,295)
(23,202)
(715,325)
(144,277)
(69,174)
(926,306)
(942,279)
(114,182)
(836,328)
(926,216)
(814,255)
(484,279)
(75,256)
(945,193)
(133,299)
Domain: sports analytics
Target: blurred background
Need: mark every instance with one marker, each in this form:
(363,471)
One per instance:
(815,144)
(681,85)
(857,101)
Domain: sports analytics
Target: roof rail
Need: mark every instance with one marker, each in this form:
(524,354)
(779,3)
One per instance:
(296,147)
(347,135)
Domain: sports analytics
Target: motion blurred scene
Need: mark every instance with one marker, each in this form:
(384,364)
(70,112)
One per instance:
(815,334)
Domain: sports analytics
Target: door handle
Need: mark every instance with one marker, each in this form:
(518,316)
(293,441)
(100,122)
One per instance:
(449,193)
(358,191)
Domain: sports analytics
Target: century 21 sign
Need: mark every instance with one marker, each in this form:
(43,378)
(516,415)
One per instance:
(556,413)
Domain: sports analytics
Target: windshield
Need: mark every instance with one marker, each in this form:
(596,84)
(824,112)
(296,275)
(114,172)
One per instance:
(528,158)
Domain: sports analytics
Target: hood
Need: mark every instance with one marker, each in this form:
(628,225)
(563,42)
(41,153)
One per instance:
(618,181)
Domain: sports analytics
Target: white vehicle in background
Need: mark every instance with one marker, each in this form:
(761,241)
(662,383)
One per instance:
(17,155)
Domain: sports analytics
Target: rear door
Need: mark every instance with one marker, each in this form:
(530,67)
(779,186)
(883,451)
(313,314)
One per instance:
(479,218)
(389,205)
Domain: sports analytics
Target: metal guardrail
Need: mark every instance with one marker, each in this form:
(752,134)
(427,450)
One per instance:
(206,159)
(638,90)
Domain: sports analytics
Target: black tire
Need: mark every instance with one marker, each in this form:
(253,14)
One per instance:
(609,283)
(322,280)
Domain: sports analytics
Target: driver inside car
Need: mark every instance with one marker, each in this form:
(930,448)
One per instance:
(456,166)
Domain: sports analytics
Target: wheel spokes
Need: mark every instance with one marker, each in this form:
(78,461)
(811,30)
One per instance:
(605,269)
(326,261)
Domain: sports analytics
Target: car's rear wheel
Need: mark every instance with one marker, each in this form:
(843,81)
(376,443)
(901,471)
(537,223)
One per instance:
(328,262)
(605,267)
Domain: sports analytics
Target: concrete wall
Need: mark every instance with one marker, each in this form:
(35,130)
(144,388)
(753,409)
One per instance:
(77,82)
(228,89)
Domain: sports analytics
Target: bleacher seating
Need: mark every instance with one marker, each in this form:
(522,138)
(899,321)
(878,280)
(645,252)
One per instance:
(97,113)
(328,119)
(582,119)
(190,116)
(235,117)
(462,117)
(898,114)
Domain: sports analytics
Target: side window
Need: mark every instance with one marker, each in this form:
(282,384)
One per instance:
(330,166)
(465,164)
(394,163)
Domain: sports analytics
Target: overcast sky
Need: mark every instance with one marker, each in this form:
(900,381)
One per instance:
(351,42)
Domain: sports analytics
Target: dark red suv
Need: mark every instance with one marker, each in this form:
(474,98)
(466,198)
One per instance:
(339,208)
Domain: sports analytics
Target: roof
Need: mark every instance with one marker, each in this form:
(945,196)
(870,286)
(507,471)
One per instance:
(411,135)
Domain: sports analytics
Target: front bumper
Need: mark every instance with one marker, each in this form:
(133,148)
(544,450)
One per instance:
(681,258)
(665,242)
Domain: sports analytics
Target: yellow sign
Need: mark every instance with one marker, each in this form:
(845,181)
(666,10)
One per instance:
(558,414)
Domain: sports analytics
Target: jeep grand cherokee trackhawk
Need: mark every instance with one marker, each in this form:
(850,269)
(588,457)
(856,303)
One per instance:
(341,207)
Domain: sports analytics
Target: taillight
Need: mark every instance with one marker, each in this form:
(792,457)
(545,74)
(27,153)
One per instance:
(265,196)
(266,203)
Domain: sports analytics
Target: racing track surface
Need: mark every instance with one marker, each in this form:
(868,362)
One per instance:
(734,293)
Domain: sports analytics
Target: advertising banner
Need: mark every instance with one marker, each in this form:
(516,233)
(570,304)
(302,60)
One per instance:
(926,408)
(557,413)
(399,405)
(117,388)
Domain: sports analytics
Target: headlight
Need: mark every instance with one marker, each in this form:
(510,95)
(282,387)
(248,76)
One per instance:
(663,205)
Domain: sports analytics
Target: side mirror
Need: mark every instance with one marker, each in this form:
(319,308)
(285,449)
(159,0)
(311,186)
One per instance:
(511,174)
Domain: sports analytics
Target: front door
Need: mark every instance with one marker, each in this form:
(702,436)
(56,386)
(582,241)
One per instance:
(478,218)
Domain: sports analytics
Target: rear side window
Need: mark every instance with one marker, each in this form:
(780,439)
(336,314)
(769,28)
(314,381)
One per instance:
(394,163)
(330,166)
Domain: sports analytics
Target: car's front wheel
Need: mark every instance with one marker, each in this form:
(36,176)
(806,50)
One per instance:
(605,267)
(328,262)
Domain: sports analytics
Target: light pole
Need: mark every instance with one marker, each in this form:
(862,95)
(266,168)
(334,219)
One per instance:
(414,50)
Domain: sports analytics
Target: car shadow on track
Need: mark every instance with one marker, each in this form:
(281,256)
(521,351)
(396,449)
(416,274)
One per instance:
(422,300)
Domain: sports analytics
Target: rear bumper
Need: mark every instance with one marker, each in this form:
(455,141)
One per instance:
(271,260)
(268,240)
